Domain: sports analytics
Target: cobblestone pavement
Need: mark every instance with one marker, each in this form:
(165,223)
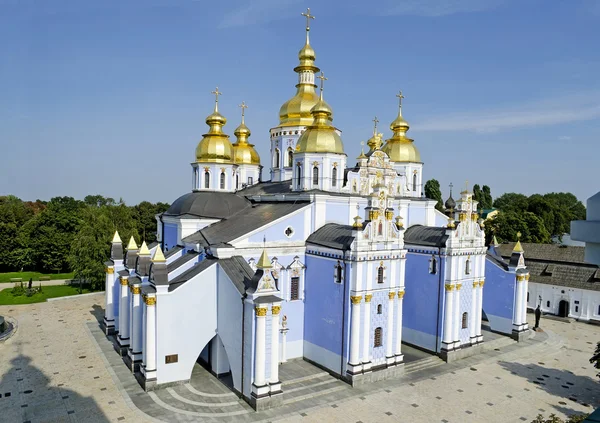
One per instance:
(59,367)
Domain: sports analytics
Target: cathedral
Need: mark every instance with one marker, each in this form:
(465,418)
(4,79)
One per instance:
(337,261)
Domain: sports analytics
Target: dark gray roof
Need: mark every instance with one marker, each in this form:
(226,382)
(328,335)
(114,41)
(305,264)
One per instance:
(546,252)
(258,215)
(238,271)
(218,205)
(429,236)
(123,272)
(332,235)
(269,187)
(491,255)
(148,289)
(134,280)
(152,245)
(173,250)
(190,273)
(555,265)
(190,255)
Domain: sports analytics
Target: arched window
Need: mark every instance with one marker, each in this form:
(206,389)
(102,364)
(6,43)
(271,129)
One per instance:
(414,181)
(237,181)
(380,274)
(432,265)
(315,175)
(290,156)
(465,320)
(547,303)
(276,158)
(379,309)
(299,175)
(334,177)
(380,228)
(527,296)
(206,179)
(468,266)
(222,180)
(378,341)
(338,272)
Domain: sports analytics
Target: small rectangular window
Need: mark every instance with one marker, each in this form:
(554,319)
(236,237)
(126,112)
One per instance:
(250,180)
(295,288)
(377,341)
(576,309)
(576,302)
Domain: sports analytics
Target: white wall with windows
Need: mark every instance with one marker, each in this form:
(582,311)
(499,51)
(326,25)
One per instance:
(582,304)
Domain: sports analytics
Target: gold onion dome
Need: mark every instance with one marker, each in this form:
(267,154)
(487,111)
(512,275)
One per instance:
(320,136)
(296,111)
(399,147)
(375,142)
(244,152)
(215,146)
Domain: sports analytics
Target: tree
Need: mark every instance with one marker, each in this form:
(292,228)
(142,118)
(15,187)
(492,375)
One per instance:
(144,214)
(595,360)
(555,419)
(511,201)
(486,199)
(433,191)
(507,224)
(478,195)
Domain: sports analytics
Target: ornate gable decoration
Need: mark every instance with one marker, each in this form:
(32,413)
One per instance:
(296,267)
(267,282)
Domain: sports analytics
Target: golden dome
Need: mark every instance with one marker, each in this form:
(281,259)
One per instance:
(244,152)
(320,136)
(399,147)
(215,146)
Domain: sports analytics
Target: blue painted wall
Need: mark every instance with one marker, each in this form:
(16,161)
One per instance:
(422,308)
(170,239)
(323,311)
(276,232)
(337,213)
(499,297)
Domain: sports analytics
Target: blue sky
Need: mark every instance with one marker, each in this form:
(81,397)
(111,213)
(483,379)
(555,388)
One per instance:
(110,96)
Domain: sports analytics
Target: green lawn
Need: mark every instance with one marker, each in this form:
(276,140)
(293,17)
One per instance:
(7,298)
(6,277)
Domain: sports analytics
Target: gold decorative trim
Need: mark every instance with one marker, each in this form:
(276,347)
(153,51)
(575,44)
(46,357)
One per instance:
(449,287)
(368,298)
(275,310)
(207,169)
(520,278)
(527,277)
(476,284)
(136,290)
(391,295)
(110,270)
(400,295)
(261,311)
(355,299)
(124,280)
(481,282)
(458,286)
(150,301)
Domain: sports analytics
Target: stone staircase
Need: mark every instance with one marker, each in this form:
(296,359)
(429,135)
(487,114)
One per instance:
(311,386)
(422,364)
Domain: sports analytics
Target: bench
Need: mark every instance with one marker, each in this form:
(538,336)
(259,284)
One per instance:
(16,279)
(44,278)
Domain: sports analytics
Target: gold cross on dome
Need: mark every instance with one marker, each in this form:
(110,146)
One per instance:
(217,93)
(323,79)
(243,106)
(375,121)
(308,18)
(400,97)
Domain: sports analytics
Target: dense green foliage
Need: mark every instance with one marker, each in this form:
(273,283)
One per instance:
(555,419)
(8,297)
(25,276)
(483,195)
(433,191)
(66,235)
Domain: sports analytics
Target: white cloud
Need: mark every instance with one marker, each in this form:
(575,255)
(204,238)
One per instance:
(565,138)
(551,111)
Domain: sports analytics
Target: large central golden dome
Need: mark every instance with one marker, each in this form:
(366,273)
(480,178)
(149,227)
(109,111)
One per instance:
(215,146)
(296,111)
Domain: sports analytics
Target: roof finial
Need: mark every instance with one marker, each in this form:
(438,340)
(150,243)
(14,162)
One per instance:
(217,93)
(116,238)
(451,186)
(263,261)
(375,121)
(159,257)
(323,79)
(400,97)
(132,245)
(243,107)
(308,18)
(518,247)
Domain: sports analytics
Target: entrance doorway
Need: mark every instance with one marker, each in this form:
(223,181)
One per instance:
(563,308)
(214,359)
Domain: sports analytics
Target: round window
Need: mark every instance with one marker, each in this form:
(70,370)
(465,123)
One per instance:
(289,231)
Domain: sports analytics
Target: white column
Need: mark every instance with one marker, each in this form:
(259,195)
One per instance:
(355,331)
(524,287)
(457,315)
(479,309)
(448,315)
(260,349)
(150,350)
(366,350)
(137,320)
(284,332)
(144,308)
(519,300)
(130,317)
(389,341)
(398,352)
(474,314)
(109,312)
(124,313)
(275,343)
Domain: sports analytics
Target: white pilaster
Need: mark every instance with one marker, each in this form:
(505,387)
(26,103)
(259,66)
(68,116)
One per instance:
(389,341)
(399,355)
(479,310)
(109,312)
(123,338)
(284,332)
(447,339)
(274,380)
(474,314)
(354,363)
(150,347)
(260,347)
(366,352)
(518,318)
(524,287)
(457,321)
(136,341)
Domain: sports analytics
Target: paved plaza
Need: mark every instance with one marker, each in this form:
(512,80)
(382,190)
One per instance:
(59,367)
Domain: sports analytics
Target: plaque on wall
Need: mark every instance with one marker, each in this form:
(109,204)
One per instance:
(173,358)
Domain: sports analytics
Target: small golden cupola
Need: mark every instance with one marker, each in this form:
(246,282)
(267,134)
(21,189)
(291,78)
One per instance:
(215,146)
(297,110)
(399,147)
(320,136)
(375,141)
(244,152)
